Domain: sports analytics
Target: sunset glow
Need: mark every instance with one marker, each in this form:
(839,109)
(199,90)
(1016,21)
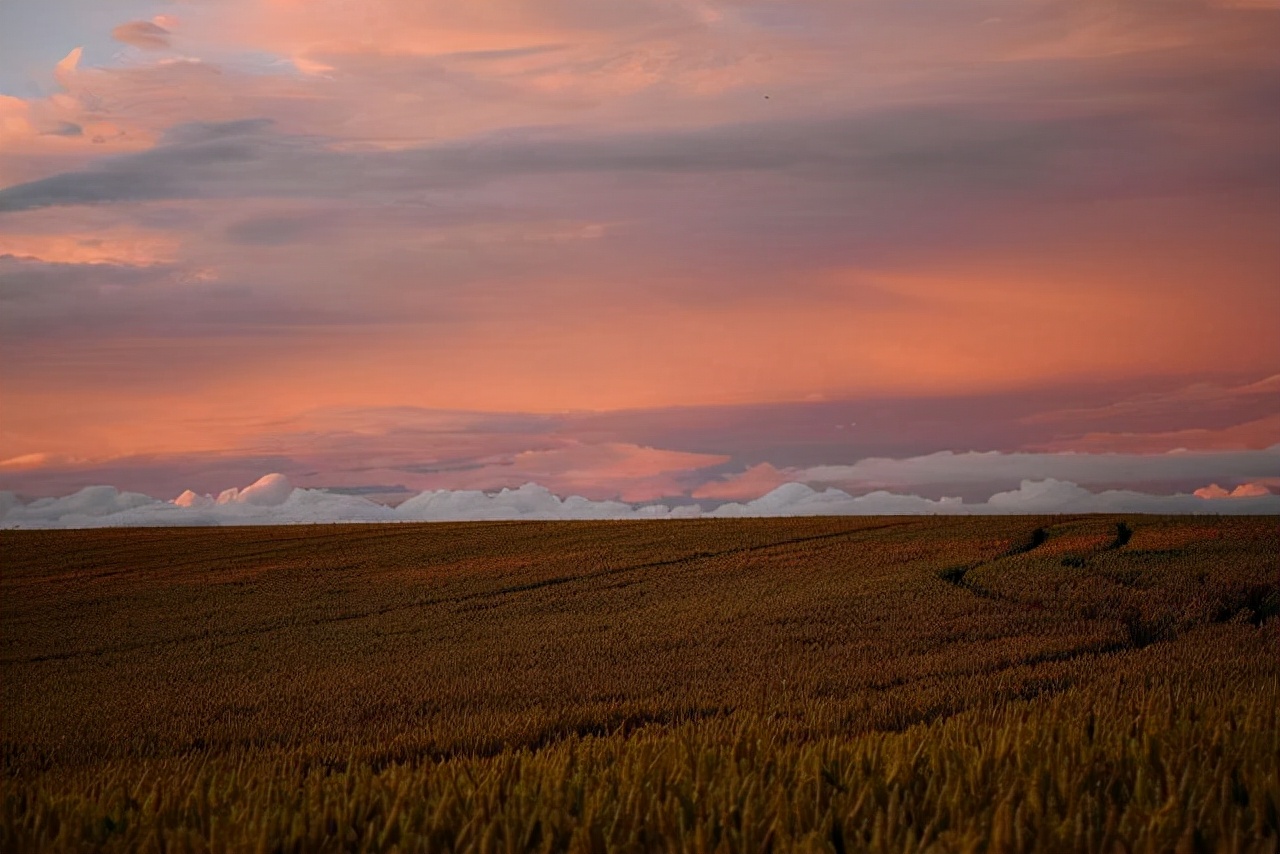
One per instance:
(679,250)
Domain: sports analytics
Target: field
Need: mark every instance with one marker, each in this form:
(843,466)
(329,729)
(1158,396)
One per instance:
(1086,683)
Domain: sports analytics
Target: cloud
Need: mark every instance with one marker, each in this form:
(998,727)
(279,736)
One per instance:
(80,508)
(630,472)
(68,67)
(271,500)
(946,467)
(798,499)
(704,453)
(270,490)
(529,501)
(64,129)
(143,34)
(187,158)
(1229,416)
(97,300)
(1244,490)
(1055,496)
(756,480)
(796,435)
(121,245)
(1202,395)
(974,473)
(1043,496)
(277,230)
(113,183)
(944,147)
(1256,433)
(29,461)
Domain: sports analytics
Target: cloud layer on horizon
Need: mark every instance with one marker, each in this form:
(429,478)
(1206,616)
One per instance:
(1227,431)
(950,470)
(272,500)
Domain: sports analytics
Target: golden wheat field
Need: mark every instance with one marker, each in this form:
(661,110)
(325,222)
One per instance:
(1090,684)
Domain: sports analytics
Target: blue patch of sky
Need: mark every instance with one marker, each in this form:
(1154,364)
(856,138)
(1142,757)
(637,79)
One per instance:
(36,34)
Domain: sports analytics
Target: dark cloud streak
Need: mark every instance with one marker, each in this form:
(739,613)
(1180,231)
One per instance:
(82,303)
(1046,134)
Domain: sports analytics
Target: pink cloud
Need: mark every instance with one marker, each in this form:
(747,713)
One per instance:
(1244,490)
(1236,416)
(123,244)
(630,472)
(148,35)
(1255,434)
(29,461)
(751,483)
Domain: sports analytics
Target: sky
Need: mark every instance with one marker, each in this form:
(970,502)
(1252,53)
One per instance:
(644,252)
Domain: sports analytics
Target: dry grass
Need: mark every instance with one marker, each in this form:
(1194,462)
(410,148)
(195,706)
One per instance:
(1007,684)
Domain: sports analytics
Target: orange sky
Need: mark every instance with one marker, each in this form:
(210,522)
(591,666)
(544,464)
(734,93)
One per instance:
(219,218)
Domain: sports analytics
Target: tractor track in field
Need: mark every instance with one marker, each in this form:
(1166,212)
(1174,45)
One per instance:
(957,575)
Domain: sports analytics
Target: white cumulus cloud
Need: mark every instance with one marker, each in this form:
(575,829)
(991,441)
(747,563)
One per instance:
(272,500)
(1032,496)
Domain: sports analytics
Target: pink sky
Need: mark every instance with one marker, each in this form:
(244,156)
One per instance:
(632,249)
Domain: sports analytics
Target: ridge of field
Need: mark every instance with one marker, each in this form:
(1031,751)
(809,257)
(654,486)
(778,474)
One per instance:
(1071,683)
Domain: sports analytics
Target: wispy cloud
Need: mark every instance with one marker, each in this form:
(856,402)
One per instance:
(144,34)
